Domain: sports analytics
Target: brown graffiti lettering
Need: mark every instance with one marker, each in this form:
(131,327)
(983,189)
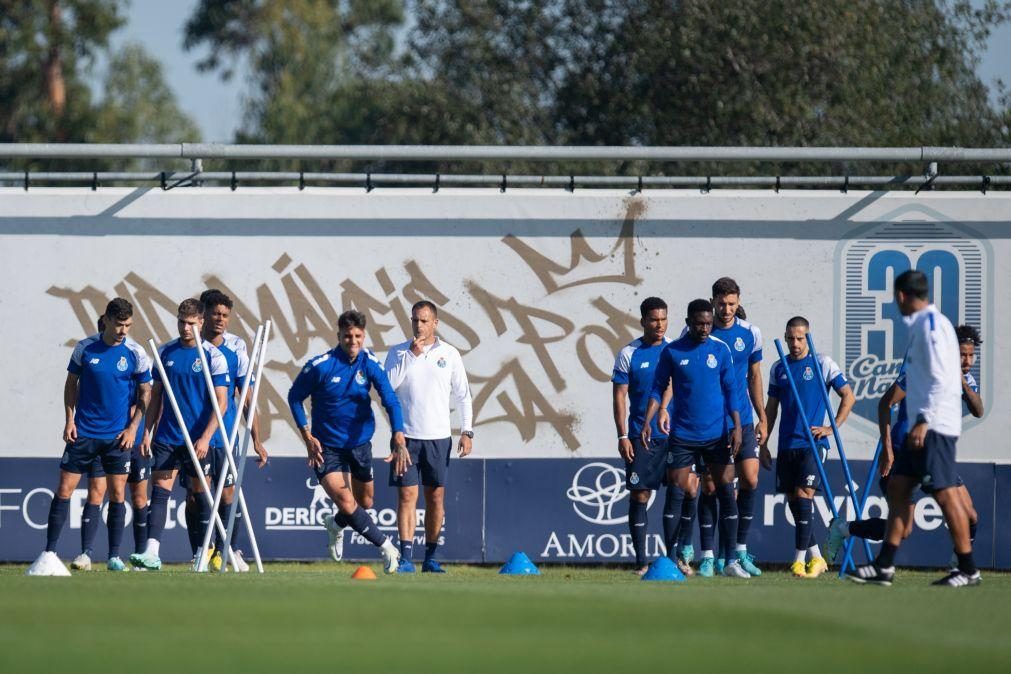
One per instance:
(619,332)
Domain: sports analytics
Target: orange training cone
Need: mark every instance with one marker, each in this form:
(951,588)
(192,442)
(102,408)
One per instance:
(363,573)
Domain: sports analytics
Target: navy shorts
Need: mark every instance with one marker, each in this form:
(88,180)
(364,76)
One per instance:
(79,456)
(95,470)
(429,464)
(649,464)
(354,460)
(176,457)
(933,465)
(140,467)
(218,464)
(796,469)
(749,444)
(681,454)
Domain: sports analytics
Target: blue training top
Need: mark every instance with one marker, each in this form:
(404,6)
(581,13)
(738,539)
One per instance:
(107,380)
(234,350)
(745,342)
(342,414)
(705,388)
(186,376)
(791,426)
(634,367)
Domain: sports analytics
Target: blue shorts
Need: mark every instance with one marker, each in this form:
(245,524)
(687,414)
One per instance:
(681,454)
(218,464)
(176,457)
(140,467)
(749,443)
(648,466)
(796,469)
(933,465)
(429,464)
(79,456)
(354,460)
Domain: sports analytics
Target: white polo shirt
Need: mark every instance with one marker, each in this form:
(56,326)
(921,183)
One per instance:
(424,386)
(933,372)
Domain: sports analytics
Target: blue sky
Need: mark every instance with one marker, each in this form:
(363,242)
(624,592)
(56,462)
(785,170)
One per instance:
(217,106)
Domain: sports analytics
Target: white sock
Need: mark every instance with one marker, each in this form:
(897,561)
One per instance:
(707,554)
(799,555)
(741,547)
(815,551)
(153,547)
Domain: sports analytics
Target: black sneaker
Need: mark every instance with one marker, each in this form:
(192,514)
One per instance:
(959,579)
(870,574)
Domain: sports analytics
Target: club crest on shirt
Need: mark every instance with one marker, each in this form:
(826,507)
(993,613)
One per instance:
(360,378)
(121,364)
(711,361)
(808,373)
(197,366)
(441,362)
(739,344)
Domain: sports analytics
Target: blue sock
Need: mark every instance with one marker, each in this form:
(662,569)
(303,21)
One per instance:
(58,511)
(802,519)
(116,524)
(746,510)
(406,548)
(671,518)
(90,519)
(363,524)
(205,518)
(238,529)
(193,531)
(158,513)
(139,528)
(728,517)
(707,520)
(430,549)
(636,527)
(688,508)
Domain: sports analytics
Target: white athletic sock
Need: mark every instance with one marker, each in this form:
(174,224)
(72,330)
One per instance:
(815,551)
(741,547)
(799,555)
(153,547)
(707,554)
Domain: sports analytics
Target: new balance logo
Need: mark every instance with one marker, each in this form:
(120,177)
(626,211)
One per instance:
(683,362)
(644,366)
(94,361)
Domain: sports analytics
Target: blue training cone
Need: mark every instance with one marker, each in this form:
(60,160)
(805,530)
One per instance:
(664,569)
(519,565)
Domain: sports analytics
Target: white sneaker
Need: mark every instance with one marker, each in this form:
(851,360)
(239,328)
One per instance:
(81,563)
(735,570)
(240,563)
(391,557)
(47,564)
(335,538)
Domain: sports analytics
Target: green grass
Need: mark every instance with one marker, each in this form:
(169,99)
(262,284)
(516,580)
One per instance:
(300,617)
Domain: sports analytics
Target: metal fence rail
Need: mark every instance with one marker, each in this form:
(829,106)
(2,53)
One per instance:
(500,153)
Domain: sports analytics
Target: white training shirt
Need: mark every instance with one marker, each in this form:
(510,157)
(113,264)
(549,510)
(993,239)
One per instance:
(933,372)
(424,385)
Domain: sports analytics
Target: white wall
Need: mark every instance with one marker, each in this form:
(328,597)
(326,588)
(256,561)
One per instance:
(539,287)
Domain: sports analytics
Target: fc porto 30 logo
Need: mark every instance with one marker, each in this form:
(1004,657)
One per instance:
(870,330)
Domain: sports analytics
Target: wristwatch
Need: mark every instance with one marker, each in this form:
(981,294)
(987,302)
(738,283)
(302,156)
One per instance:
(469,434)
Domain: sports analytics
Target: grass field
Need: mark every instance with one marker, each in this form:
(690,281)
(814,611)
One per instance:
(305,617)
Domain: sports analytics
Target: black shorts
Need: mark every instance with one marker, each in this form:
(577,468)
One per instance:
(429,464)
(682,454)
(933,465)
(354,460)
(81,455)
(175,457)
(648,466)
(797,469)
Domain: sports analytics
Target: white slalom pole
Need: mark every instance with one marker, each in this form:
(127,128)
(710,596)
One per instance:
(219,490)
(167,388)
(228,454)
(245,450)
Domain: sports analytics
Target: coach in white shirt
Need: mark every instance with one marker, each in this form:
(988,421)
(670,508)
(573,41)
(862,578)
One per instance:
(934,407)
(426,372)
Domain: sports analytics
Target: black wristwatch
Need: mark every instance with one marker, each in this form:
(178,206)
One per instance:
(469,434)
